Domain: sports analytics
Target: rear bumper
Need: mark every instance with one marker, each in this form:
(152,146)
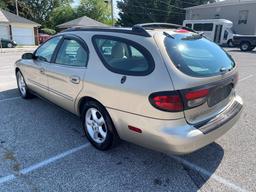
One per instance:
(176,136)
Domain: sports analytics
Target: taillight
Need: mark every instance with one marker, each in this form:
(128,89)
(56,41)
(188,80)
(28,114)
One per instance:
(167,101)
(196,98)
(197,94)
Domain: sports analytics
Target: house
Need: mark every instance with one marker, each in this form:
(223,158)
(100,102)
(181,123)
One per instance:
(81,22)
(17,28)
(241,12)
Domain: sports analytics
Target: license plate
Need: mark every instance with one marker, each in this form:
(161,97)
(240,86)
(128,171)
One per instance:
(219,94)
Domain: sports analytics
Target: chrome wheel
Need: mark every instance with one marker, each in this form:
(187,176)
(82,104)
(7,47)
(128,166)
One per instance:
(96,125)
(21,84)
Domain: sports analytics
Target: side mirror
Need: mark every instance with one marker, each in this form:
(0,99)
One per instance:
(28,56)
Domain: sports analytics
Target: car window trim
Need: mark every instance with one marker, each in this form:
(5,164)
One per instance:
(80,41)
(34,53)
(145,52)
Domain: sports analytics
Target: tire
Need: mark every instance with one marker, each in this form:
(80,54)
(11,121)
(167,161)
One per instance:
(22,86)
(98,126)
(245,46)
(9,45)
(230,43)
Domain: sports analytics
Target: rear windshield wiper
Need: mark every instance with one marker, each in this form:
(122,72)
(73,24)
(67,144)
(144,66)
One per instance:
(168,35)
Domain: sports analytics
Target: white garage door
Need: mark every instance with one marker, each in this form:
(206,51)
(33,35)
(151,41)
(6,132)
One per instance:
(4,32)
(23,36)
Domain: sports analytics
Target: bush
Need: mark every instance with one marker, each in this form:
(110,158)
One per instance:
(48,31)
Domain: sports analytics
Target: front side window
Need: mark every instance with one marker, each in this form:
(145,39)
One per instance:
(196,56)
(45,52)
(72,53)
(123,56)
(225,35)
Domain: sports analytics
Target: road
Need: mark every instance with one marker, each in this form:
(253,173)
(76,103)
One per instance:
(43,148)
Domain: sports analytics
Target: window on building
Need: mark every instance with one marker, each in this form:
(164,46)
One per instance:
(243,16)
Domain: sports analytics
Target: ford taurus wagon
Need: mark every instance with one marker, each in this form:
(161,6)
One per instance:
(162,86)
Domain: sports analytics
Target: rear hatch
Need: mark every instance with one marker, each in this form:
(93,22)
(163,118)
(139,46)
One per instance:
(202,72)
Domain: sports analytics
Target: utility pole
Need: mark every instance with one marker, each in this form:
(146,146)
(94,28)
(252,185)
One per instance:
(17,9)
(112,12)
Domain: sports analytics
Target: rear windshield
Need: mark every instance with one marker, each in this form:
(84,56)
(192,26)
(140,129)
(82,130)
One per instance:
(196,56)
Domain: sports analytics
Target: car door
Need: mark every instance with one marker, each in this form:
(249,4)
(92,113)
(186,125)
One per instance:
(66,73)
(36,73)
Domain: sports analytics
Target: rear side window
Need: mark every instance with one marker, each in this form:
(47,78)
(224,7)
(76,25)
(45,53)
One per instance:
(203,27)
(123,56)
(196,56)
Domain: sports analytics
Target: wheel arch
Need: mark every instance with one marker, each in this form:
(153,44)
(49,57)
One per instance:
(245,41)
(17,69)
(85,99)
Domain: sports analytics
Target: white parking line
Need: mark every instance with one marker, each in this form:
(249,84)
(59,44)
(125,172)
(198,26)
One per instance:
(208,174)
(9,99)
(42,163)
(74,150)
(245,78)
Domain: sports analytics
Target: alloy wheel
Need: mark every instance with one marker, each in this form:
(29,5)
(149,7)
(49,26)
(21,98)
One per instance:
(22,85)
(96,125)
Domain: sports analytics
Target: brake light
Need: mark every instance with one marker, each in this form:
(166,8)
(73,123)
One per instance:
(167,101)
(182,31)
(197,94)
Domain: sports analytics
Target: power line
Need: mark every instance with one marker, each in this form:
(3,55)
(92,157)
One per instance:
(175,13)
(171,5)
(154,9)
(188,2)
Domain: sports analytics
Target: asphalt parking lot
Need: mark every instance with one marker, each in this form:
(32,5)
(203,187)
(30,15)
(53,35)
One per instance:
(43,148)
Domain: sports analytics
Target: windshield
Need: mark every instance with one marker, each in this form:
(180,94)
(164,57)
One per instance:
(196,56)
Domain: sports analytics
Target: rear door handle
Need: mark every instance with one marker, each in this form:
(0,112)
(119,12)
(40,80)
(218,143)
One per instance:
(75,79)
(42,70)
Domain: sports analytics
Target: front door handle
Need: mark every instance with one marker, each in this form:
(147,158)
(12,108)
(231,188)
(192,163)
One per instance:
(42,70)
(75,79)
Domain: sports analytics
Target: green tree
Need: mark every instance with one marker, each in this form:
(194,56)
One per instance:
(35,10)
(142,11)
(2,4)
(61,15)
(95,9)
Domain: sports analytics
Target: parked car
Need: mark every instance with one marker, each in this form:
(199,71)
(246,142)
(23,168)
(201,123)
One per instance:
(6,43)
(43,37)
(161,86)
(245,42)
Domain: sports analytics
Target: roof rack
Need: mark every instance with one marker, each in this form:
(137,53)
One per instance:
(134,31)
(138,29)
(142,27)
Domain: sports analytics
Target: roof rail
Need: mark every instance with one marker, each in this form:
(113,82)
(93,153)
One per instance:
(144,26)
(134,31)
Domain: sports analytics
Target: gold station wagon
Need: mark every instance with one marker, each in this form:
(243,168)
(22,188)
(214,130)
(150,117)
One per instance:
(162,86)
